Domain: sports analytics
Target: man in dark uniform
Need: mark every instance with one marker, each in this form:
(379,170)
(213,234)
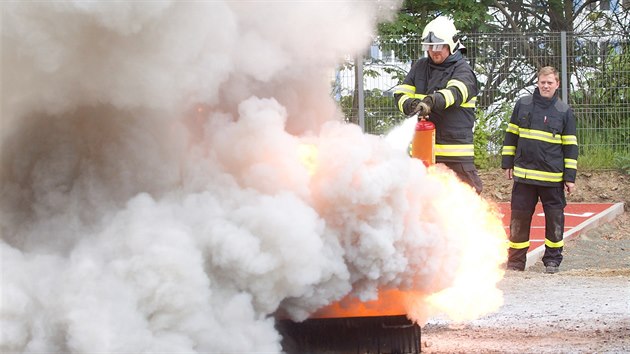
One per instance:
(540,153)
(443,87)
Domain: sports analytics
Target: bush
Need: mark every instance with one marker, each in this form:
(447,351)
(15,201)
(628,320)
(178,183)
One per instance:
(488,136)
(623,163)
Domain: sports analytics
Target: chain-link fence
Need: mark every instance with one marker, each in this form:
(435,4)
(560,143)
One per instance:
(594,73)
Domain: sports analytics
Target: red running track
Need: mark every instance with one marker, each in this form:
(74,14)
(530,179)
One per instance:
(579,217)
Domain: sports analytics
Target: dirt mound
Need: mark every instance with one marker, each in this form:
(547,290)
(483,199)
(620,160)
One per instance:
(592,186)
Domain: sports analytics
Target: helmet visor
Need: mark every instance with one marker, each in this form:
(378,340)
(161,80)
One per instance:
(433,47)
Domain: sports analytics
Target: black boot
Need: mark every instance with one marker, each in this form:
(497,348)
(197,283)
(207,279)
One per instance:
(554,233)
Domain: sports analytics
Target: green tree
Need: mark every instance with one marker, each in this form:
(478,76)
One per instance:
(468,15)
(601,89)
(503,74)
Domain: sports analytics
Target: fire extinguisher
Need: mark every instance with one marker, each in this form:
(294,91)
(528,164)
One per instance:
(423,143)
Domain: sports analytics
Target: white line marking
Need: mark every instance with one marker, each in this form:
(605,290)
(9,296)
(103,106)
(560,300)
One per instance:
(541,227)
(603,217)
(587,214)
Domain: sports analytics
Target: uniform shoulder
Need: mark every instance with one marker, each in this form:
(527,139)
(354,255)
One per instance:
(527,99)
(561,106)
(463,62)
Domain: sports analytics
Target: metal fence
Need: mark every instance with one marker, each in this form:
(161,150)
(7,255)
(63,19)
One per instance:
(594,73)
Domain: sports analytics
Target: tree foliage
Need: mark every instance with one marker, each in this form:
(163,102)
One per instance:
(468,15)
(601,88)
(504,75)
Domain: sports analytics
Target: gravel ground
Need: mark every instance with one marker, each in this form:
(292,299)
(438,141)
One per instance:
(585,308)
(561,313)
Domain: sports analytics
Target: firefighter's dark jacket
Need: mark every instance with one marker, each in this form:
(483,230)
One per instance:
(454,86)
(540,141)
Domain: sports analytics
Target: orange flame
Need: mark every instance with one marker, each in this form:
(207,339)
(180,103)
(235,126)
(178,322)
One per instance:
(389,303)
(308,156)
(473,291)
(471,288)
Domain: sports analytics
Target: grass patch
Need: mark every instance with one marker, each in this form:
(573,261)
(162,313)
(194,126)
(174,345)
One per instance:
(490,162)
(599,158)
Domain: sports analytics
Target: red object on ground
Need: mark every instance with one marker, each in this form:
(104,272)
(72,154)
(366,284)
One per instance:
(577,217)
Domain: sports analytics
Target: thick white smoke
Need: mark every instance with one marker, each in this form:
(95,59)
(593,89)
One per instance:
(154,195)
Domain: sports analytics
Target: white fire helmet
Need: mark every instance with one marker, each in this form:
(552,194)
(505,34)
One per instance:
(440,31)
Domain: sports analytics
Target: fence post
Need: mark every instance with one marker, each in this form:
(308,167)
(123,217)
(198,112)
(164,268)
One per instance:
(361,93)
(564,69)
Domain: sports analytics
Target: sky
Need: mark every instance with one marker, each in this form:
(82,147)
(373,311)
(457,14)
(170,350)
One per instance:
(174,174)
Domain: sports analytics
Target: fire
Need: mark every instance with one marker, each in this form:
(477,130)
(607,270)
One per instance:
(466,288)
(390,302)
(473,292)
(308,156)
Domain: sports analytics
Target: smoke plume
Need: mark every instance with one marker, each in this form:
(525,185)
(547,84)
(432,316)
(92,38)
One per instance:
(174,174)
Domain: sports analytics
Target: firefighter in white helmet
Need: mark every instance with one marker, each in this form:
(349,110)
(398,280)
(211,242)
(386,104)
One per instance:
(443,87)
